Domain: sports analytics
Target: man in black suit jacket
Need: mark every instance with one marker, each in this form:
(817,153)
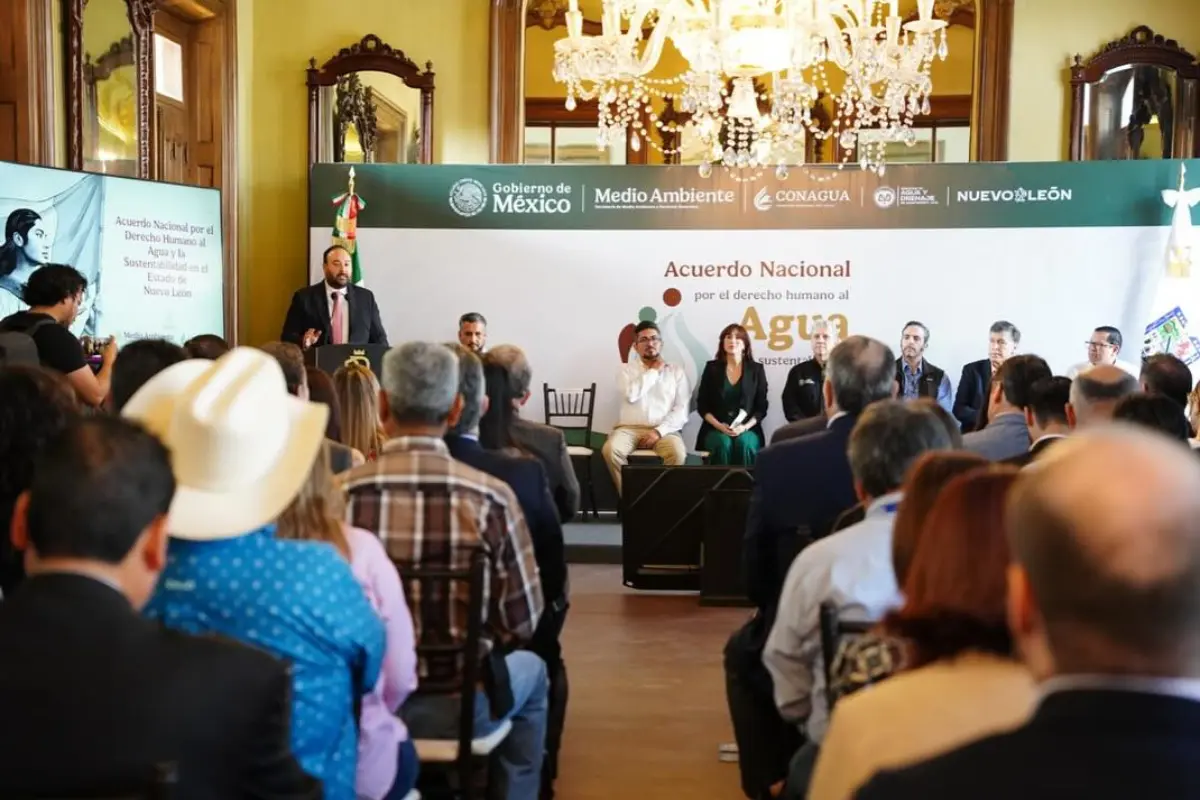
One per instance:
(801,486)
(97,699)
(528,481)
(803,392)
(1102,603)
(309,321)
(971,400)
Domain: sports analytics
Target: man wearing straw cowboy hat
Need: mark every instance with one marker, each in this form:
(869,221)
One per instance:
(241,448)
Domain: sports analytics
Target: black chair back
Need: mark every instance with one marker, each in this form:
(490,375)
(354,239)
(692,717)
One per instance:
(160,786)
(570,410)
(833,630)
(438,646)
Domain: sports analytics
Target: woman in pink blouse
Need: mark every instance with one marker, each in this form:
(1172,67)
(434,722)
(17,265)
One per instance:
(387,761)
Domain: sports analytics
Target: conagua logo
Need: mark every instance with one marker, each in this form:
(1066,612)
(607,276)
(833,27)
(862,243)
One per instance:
(765,200)
(468,197)
(1021,195)
(885,197)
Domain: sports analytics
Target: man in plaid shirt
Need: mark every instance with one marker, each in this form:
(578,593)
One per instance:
(432,511)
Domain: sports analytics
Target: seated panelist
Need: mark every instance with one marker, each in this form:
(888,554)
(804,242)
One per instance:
(333,311)
(654,406)
(732,401)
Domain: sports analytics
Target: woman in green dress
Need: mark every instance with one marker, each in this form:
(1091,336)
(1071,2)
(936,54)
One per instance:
(732,401)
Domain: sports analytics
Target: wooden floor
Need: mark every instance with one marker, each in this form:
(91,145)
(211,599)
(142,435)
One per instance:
(647,708)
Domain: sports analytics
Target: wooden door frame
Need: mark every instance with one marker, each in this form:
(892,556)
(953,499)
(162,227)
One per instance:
(224,13)
(42,95)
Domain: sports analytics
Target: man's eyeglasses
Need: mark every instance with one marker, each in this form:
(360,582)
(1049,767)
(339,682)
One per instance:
(1097,345)
(649,340)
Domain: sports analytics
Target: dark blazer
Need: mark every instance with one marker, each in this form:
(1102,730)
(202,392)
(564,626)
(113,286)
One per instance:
(971,400)
(310,309)
(1034,452)
(95,697)
(802,396)
(528,481)
(801,427)
(801,486)
(1094,744)
(548,445)
(753,402)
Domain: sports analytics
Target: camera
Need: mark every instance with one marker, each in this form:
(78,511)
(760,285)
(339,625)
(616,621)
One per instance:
(93,347)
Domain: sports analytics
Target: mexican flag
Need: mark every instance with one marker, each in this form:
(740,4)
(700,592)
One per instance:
(347,207)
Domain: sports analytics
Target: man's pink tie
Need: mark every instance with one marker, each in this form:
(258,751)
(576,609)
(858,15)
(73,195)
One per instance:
(338,318)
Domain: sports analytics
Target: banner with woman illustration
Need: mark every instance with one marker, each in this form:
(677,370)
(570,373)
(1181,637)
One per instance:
(563,261)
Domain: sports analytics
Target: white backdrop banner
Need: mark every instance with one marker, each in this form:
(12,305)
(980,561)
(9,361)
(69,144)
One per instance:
(563,261)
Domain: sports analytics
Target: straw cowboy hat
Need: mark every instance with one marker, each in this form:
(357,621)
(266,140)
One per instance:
(241,446)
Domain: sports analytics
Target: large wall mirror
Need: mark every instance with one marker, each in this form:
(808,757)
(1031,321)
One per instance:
(370,103)
(1135,99)
(109,81)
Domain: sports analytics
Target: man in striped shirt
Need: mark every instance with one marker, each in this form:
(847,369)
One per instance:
(432,511)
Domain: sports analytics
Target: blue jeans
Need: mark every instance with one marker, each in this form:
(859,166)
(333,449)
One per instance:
(407,769)
(520,754)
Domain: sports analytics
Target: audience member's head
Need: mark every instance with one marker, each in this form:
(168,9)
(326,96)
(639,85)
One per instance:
(1167,375)
(99,504)
(955,590)
(35,406)
(358,396)
(315,513)
(927,477)
(1012,382)
(137,363)
(495,426)
(1104,345)
(1095,392)
(520,374)
(291,361)
(888,437)
(241,445)
(57,290)
(1155,412)
(420,389)
(861,371)
(953,429)
(472,331)
(1003,340)
(321,390)
(207,345)
(472,389)
(1046,413)
(1107,581)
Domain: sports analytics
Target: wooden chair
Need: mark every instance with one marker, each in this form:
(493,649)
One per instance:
(465,757)
(572,411)
(833,630)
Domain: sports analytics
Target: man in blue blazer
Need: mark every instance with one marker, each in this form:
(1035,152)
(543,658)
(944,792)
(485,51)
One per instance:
(527,478)
(1102,605)
(801,487)
(971,401)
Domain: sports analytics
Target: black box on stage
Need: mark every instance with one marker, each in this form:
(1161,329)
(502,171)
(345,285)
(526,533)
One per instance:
(663,522)
(722,578)
(331,356)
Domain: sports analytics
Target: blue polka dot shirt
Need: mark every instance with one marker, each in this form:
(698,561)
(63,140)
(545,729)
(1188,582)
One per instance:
(299,601)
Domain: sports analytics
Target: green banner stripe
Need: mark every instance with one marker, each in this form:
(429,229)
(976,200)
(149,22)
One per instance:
(981,195)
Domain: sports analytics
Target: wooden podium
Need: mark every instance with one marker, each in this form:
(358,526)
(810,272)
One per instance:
(331,356)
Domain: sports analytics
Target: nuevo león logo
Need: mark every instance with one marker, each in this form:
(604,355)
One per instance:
(468,197)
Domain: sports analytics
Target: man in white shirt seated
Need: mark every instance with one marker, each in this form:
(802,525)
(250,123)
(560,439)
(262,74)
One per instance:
(1103,348)
(654,406)
(852,568)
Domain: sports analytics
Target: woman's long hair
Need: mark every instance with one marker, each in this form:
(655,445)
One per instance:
(740,332)
(927,477)
(495,427)
(955,594)
(315,513)
(358,394)
(20,223)
(320,390)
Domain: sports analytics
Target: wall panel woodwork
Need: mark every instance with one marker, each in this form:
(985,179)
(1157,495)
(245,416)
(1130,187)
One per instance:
(15,142)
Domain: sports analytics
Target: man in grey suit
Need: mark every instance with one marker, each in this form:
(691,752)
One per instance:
(1006,434)
(544,442)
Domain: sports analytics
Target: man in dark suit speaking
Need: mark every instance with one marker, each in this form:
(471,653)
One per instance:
(333,311)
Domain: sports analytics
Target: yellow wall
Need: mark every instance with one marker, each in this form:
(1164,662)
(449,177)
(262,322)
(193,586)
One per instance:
(1046,36)
(275,41)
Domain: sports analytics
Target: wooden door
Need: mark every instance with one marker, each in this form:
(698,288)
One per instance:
(15,77)
(174,145)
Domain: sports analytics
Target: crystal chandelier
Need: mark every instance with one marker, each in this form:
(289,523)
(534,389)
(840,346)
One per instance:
(733,47)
